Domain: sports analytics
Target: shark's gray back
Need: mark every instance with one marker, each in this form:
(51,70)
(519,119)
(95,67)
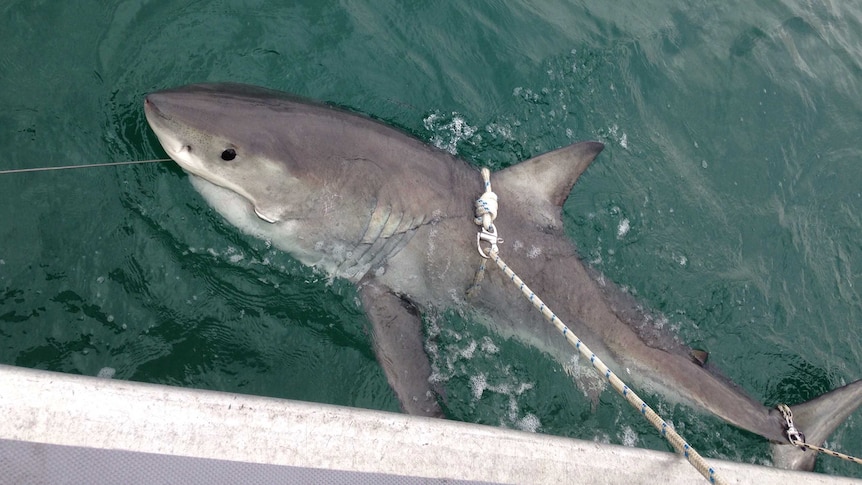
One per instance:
(363,201)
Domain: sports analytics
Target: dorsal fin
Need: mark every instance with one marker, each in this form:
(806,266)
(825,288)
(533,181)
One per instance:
(545,181)
(554,173)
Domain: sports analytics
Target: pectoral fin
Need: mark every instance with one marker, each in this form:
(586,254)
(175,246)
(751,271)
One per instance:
(399,345)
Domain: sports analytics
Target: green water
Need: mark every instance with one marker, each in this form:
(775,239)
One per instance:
(728,196)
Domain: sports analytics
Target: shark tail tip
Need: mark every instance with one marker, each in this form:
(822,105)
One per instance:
(817,419)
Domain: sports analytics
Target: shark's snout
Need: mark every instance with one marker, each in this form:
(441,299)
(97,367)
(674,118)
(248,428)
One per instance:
(151,107)
(166,130)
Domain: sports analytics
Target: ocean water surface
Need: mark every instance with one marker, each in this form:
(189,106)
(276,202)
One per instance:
(729,196)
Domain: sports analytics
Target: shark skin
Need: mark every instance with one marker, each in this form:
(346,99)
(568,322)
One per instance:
(363,201)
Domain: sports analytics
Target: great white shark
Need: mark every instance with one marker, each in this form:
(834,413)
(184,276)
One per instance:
(363,201)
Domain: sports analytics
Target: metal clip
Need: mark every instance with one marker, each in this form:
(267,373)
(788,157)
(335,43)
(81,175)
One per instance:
(490,236)
(793,435)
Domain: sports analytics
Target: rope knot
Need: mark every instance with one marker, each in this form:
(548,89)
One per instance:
(486,212)
(486,204)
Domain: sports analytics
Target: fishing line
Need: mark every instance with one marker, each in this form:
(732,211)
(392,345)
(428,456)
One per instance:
(69,167)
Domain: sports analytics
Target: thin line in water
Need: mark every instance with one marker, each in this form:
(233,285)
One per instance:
(68,167)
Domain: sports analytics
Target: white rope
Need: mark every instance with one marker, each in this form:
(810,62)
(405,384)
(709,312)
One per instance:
(488,205)
(827,451)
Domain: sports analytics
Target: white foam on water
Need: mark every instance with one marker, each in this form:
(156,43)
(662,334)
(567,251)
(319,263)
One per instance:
(107,372)
(623,228)
(498,130)
(449,131)
(629,436)
(602,438)
(478,384)
(619,136)
(234,256)
(530,422)
(488,346)
(468,351)
(460,358)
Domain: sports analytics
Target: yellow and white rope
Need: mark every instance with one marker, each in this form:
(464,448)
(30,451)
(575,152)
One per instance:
(485,214)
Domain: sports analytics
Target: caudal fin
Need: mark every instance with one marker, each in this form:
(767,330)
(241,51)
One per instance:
(817,419)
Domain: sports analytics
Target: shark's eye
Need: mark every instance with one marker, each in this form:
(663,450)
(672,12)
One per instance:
(228,154)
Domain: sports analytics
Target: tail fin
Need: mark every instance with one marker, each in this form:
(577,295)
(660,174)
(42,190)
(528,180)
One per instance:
(817,419)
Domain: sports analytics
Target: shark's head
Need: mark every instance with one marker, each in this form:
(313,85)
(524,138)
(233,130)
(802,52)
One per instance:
(226,134)
(305,176)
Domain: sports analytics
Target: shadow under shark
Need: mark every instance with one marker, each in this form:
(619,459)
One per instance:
(363,201)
